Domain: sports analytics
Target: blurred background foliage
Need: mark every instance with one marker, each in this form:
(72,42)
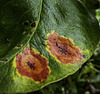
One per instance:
(87,79)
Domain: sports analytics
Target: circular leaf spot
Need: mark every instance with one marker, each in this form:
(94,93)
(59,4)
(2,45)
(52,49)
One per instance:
(32,65)
(63,49)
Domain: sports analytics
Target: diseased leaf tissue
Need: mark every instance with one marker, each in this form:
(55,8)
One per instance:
(63,49)
(35,66)
(32,65)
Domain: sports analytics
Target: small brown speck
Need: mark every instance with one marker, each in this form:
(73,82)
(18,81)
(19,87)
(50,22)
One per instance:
(3,60)
(31,32)
(84,56)
(33,24)
(26,23)
(18,45)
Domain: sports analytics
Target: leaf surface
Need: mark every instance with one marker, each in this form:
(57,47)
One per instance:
(43,41)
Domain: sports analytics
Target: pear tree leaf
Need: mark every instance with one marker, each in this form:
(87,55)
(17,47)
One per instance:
(43,41)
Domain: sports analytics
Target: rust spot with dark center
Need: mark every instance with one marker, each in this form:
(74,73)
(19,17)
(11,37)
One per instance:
(63,49)
(32,65)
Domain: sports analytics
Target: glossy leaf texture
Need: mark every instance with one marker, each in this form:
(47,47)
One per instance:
(43,41)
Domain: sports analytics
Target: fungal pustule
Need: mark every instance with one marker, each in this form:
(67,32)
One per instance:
(32,65)
(63,49)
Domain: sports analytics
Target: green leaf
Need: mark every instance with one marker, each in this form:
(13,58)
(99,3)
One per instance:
(91,4)
(43,41)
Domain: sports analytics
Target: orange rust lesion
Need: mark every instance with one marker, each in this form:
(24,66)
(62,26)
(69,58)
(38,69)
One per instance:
(63,49)
(32,65)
